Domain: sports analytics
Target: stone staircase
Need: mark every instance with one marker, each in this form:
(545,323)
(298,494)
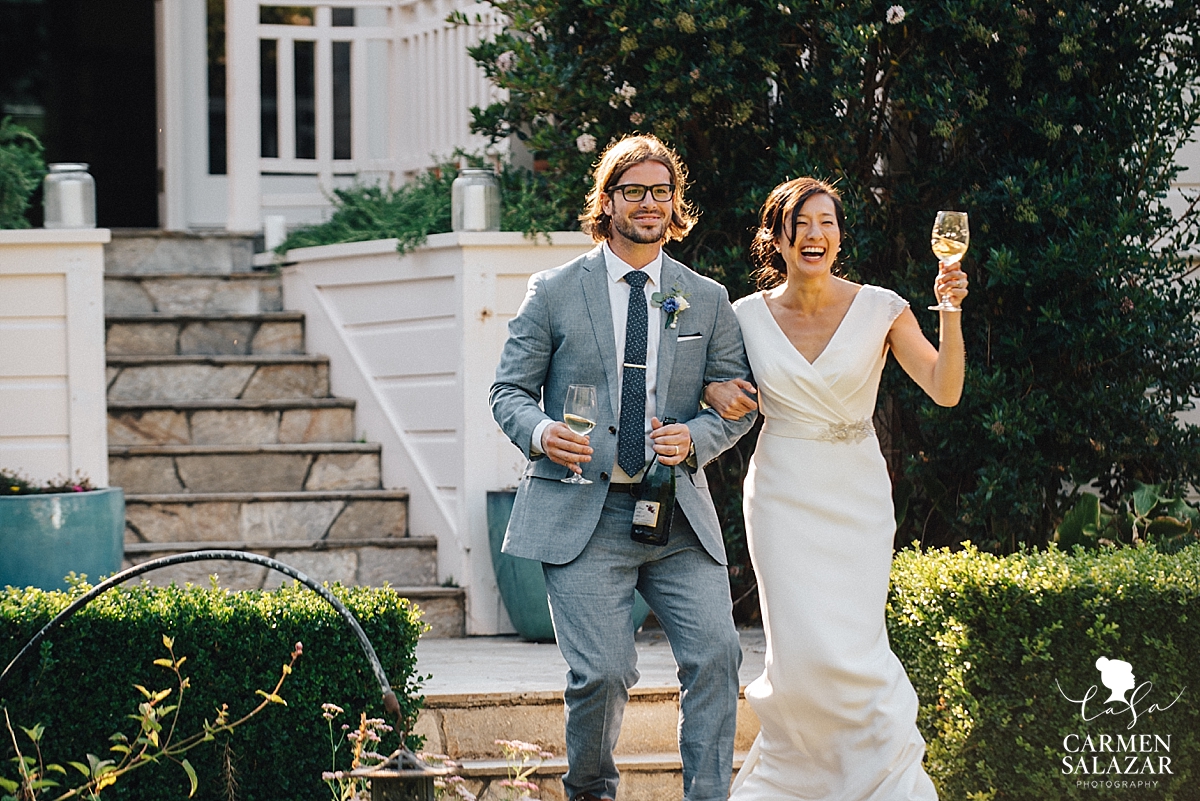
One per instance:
(487,688)
(465,728)
(223,433)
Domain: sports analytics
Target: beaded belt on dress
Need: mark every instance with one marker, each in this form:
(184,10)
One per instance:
(830,432)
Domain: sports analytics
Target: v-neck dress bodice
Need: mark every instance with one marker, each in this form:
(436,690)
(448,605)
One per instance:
(840,385)
(837,711)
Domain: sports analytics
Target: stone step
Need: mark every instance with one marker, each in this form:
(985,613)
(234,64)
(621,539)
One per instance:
(465,726)
(227,334)
(231,422)
(166,378)
(219,517)
(481,689)
(235,293)
(149,250)
(400,561)
(248,468)
(408,564)
(644,777)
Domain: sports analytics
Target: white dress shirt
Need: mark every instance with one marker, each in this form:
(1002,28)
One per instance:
(618,301)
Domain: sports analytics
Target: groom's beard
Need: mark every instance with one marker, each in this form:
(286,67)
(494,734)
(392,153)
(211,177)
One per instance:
(641,236)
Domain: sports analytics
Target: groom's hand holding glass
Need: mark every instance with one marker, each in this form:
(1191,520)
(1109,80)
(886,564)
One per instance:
(564,446)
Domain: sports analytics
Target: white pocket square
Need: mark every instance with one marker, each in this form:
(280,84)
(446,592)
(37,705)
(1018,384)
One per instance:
(690,337)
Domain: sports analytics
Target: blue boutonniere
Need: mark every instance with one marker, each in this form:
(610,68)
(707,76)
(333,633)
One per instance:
(673,303)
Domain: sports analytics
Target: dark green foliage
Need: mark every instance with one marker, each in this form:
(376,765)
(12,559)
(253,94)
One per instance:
(526,205)
(21,170)
(1054,124)
(1146,515)
(987,642)
(235,643)
(422,207)
(409,213)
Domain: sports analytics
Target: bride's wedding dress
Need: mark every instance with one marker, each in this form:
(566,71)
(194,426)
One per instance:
(838,712)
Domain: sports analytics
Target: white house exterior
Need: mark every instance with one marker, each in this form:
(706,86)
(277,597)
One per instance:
(355,90)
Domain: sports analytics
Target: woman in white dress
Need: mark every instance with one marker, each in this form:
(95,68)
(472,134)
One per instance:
(838,712)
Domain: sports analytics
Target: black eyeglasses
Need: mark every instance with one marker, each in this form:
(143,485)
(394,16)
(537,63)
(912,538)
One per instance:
(634,193)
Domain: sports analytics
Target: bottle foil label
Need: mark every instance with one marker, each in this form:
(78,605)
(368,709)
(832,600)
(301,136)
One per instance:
(645,513)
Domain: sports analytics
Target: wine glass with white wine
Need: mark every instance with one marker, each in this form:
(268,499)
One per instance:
(579,413)
(949,241)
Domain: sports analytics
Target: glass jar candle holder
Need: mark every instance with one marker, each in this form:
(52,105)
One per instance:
(475,201)
(69,196)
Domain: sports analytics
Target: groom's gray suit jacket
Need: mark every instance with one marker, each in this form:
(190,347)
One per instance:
(563,335)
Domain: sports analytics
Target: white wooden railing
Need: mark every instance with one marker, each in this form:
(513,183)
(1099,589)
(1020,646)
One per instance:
(415,340)
(411,85)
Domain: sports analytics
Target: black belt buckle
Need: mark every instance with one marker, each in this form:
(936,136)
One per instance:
(624,488)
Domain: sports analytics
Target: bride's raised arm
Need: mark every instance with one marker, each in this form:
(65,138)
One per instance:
(937,371)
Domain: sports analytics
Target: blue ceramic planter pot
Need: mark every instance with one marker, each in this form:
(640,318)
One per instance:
(45,537)
(522,585)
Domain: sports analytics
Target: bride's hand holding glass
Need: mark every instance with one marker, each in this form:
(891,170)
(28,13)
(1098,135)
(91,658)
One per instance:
(949,240)
(950,286)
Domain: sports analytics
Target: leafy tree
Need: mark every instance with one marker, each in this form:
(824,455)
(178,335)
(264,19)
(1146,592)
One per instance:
(1054,123)
(21,170)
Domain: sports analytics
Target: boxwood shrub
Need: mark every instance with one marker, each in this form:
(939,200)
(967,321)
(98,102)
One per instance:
(989,641)
(991,644)
(81,688)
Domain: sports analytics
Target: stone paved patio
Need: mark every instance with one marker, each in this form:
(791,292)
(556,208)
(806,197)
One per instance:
(485,665)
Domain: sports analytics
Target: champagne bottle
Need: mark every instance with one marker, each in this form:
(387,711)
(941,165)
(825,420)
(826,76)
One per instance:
(655,506)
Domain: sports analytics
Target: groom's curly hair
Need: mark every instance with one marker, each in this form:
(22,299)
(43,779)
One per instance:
(782,204)
(614,161)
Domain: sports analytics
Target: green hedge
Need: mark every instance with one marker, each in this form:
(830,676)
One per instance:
(987,642)
(235,643)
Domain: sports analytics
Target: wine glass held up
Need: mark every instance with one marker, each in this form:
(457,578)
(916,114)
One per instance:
(949,240)
(579,413)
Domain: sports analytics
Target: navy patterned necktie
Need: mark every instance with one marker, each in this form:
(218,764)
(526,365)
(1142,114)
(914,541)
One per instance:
(631,442)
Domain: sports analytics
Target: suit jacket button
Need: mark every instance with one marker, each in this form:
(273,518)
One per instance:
(612,429)
(604,476)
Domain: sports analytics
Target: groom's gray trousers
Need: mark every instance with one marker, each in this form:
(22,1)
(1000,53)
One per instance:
(591,601)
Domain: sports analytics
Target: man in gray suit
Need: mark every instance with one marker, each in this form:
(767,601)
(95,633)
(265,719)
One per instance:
(606,319)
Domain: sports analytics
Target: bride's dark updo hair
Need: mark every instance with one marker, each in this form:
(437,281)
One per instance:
(782,204)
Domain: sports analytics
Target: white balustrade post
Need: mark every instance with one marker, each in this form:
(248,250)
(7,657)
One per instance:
(242,120)
(170,27)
